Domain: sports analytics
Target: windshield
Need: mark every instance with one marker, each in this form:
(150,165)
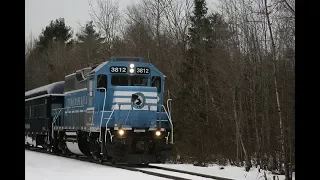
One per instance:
(129,81)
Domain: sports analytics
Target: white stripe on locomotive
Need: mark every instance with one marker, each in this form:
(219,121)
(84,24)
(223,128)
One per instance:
(129,93)
(128,100)
(128,107)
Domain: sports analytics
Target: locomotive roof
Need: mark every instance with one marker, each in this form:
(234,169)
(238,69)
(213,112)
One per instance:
(53,88)
(98,67)
(116,58)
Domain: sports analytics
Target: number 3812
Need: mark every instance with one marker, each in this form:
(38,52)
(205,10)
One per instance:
(142,70)
(114,69)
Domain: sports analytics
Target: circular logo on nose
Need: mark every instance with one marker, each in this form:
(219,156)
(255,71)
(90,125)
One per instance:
(138,100)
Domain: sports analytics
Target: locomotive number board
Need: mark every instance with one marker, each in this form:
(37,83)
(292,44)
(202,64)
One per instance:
(142,70)
(118,69)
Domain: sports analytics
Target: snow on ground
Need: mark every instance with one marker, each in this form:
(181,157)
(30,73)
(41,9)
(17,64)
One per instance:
(231,172)
(48,167)
(40,166)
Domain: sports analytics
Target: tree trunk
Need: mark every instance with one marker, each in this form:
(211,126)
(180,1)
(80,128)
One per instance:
(286,168)
(248,164)
(254,111)
(236,123)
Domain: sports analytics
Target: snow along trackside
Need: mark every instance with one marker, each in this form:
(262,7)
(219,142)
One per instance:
(40,150)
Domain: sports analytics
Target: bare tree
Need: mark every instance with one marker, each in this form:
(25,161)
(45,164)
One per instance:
(275,78)
(105,14)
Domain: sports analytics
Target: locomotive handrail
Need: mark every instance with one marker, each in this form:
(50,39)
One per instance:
(169,116)
(105,134)
(104,102)
(149,114)
(106,126)
(64,108)
(169,109)
(108,122)
(127,116)
(53,122)
(55,118)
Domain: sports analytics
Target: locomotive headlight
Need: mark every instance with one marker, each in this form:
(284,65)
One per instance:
(121,132)
(131,70)
(158,133)
(131,65)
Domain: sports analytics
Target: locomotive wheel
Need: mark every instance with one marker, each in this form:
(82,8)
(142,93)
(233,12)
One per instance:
(100,158)
(48,147)
(65,152)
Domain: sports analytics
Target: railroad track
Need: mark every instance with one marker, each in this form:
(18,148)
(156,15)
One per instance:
(188,172)
(147,169)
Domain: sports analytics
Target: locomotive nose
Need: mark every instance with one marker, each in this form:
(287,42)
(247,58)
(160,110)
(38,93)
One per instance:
(140,145)
(135,106)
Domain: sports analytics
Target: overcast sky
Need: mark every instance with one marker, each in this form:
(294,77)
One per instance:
(39,13)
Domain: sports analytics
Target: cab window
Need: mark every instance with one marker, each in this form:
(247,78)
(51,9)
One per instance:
(119,80)
(129,81)
(138,81)
(156,82)
(102,82)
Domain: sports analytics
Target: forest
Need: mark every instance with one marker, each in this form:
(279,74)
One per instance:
(230,71)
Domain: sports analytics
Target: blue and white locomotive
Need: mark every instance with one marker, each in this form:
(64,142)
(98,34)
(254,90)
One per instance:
(114,111)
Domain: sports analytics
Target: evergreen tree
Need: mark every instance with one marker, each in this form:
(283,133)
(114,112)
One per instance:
(88,33)
(199,39)
(192,93)
(57,31)
(88,41)
(199,35)
(199,79)
(199,43)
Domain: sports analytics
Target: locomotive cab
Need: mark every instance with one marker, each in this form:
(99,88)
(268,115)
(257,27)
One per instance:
(117,84)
